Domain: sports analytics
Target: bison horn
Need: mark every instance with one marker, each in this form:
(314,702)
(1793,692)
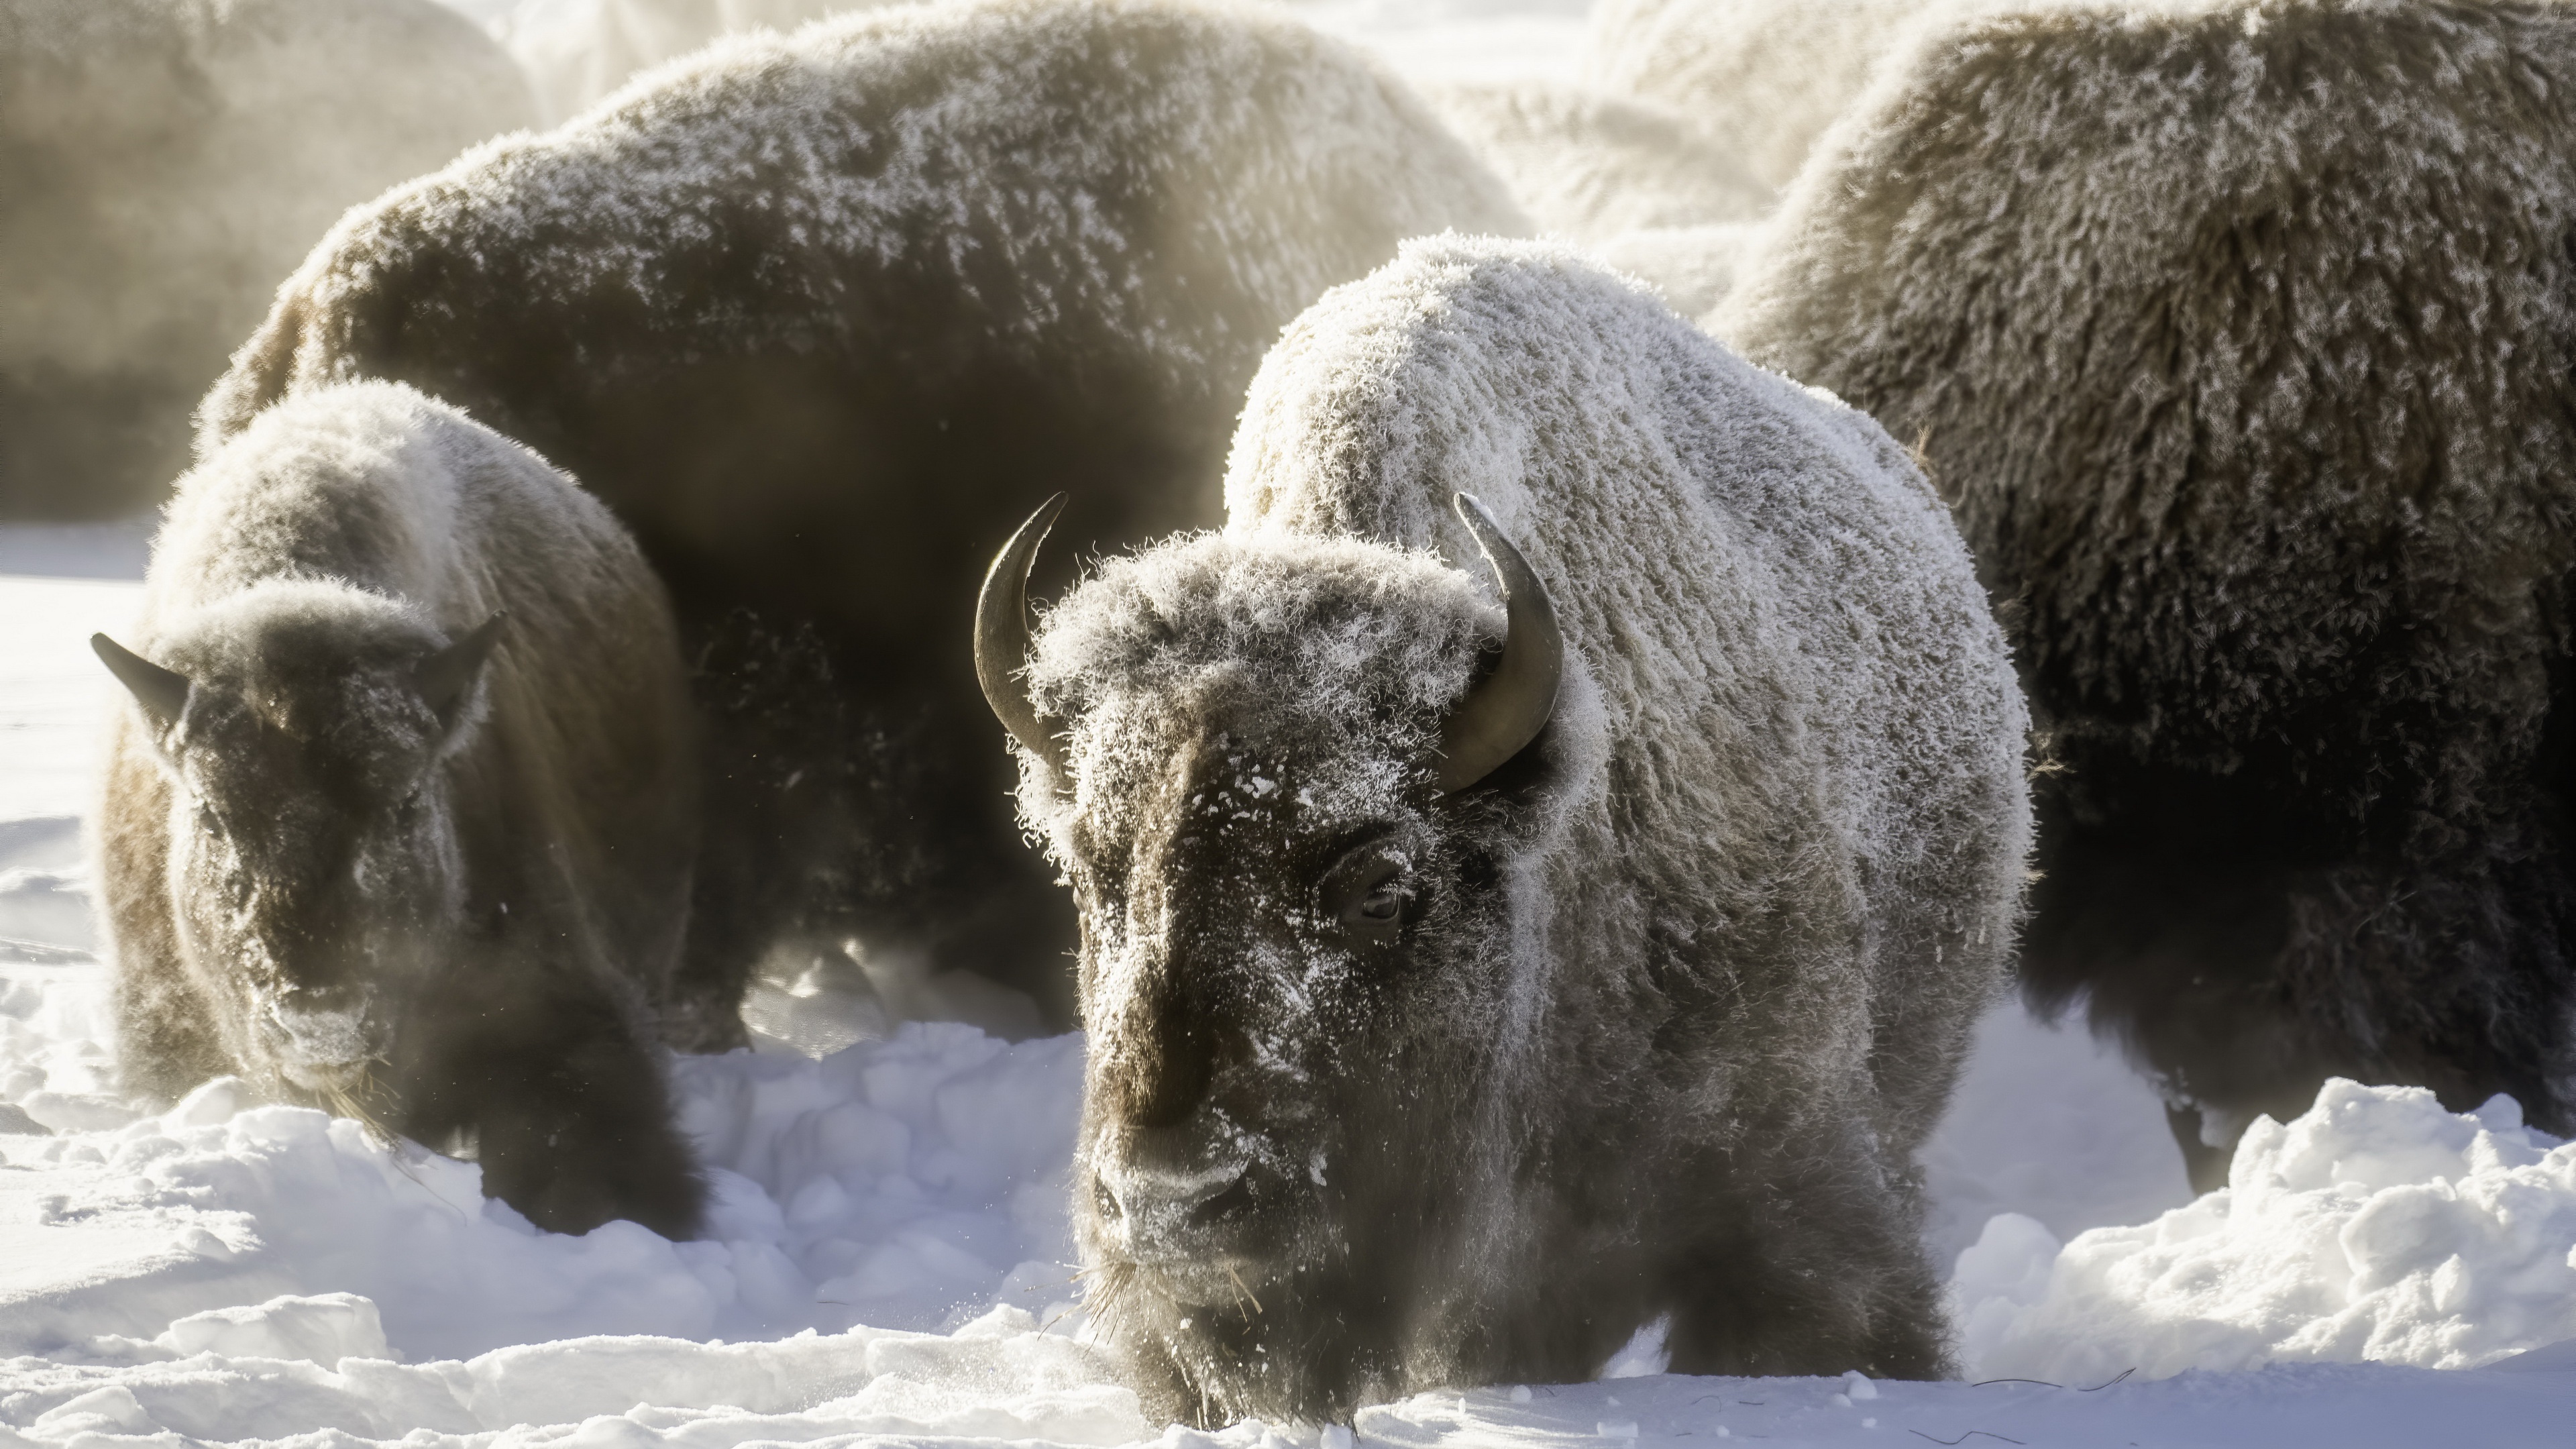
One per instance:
(444,676)
(1002,636)
(1500,716)
(163,693)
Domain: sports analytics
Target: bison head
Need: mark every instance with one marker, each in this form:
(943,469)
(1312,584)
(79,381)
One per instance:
(1286,779)
(301,728)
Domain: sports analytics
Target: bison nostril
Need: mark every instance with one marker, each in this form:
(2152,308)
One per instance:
(1233,1202)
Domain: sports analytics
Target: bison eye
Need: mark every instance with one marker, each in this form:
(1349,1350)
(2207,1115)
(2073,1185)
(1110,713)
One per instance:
(1368,893)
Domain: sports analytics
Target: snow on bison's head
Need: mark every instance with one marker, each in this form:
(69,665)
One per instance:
(1292,896)
(311,856)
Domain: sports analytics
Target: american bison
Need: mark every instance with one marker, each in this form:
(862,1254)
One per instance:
(2241,336)
(163,165)
(1471,986)
(400,818)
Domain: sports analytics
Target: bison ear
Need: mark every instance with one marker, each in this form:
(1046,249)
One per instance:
(163,693)
(446,676)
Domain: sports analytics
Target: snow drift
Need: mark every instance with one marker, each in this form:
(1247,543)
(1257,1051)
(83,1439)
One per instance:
(2377,1228)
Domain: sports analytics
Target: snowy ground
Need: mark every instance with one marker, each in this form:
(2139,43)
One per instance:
(888,1258)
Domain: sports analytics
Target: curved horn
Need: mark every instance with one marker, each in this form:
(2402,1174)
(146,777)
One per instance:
(1500,716)
(1002,636)
(163,693)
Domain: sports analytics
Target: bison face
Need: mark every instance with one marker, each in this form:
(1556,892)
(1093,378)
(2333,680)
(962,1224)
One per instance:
(1287,778)
(1286,978)
(311,864)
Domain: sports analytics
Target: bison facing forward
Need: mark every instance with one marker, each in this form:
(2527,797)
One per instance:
(1468,988)
(401,819)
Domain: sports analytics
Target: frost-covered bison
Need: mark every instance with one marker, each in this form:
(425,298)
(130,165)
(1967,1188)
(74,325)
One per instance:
(400,819)
(1470,986)
(811,312)
(2241,336)
(163,164)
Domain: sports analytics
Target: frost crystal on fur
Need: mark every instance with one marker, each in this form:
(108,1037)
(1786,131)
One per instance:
(822,316)
(2240,333)
(166,162)
(447,909)
(1675,995)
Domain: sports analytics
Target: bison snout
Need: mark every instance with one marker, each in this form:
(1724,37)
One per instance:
(321,1048)
(1166,1209)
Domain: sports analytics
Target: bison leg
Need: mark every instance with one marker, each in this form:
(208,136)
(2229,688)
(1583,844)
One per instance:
(1821,1273)
(568,1107)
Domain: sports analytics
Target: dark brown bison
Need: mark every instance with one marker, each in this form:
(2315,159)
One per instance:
(2241,335)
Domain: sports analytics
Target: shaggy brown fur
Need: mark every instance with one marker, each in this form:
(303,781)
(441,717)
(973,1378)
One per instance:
(439,896)
(2240,334)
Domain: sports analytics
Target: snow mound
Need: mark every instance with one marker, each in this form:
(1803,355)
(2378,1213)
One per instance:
(997,1378)
(897,1183)
(2377,1227)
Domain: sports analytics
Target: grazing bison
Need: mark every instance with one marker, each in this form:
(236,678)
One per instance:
(1469,987)
(163,164)
(2241,336)
(400,821)
(809,313)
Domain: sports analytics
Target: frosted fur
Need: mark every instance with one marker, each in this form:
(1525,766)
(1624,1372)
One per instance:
(821,316)
(1589,165)
(2239,334)
(167,161)
(926,144)
(453,920)
(1763,78)
(1688,983)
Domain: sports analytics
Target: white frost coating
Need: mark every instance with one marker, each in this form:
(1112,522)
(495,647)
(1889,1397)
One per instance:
(1229,164)
(1763,78)
(1774,865)
(2376,1228)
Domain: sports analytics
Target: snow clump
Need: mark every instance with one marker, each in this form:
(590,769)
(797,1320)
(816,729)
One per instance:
(2375,1228)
